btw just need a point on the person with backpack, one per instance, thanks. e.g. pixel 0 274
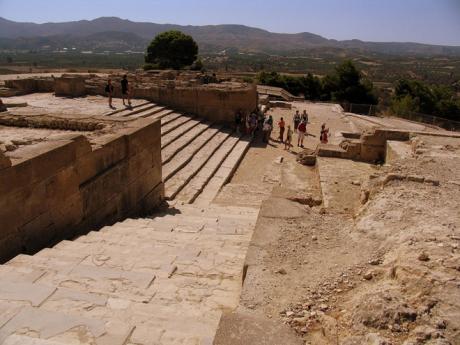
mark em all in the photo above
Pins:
pixel 302 130
pixel 109 92
pixel 125 90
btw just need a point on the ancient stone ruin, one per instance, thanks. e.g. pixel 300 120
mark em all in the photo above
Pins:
pixel 161 224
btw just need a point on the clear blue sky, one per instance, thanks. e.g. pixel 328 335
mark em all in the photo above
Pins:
pixel 427 21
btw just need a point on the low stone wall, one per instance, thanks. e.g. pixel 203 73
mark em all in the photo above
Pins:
pixel 370 147
pixel 30 85
pixel 66 188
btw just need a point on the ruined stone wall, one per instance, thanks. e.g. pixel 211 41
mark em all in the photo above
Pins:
pixel 214 102
pixel 66 187
pixel 31 85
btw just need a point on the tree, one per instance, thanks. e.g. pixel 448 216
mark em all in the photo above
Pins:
pixel 419 97
pixel 351 86
pixel 172 49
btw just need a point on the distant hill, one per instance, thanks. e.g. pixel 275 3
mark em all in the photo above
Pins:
pixel 115 34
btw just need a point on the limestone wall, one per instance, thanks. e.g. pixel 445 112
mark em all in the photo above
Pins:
pixel 66 187
pixel 30 85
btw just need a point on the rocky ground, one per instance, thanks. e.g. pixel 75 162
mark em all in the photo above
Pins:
pixel 383 270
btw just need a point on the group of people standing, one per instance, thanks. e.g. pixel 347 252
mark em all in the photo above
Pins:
pixel 250 124
pixel 300 122
pixel 125 91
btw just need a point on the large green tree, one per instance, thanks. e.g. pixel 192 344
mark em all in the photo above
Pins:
pixel 172 49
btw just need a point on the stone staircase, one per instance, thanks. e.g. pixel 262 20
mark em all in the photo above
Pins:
pixel 165 279
pixel 161 280
pixel 198 157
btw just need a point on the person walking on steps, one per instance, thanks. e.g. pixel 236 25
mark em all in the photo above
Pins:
pixel 281 125
pixel 297 119
pixel 109 92
pixel 125 90
pixel 302 130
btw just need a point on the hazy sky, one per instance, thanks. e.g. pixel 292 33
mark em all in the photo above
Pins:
pixel 427 21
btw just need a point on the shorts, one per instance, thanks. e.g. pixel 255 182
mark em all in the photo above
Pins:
pixel 301 135
pixel 124 91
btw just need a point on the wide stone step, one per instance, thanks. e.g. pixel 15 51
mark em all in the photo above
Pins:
pixel 169 118
pixel 134 110
pixel 196 185
pixel 168 138
pixel 147 113
pixel 223 174
pixel 184 156
pixel 161 114
pixel 175 184
pixel 169 152
pixel 124 109
pixel 179 122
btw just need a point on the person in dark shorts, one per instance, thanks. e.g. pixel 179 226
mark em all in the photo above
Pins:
pixel 109 92
pixel 297 120
pixel 125 91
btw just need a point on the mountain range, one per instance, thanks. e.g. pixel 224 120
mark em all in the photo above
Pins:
pixel 118 35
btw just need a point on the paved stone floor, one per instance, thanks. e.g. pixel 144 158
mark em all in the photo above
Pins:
pixel 164 280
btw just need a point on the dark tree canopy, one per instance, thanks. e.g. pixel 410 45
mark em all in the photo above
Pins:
pixel 172 49
pixel 419 97
pixel 345 84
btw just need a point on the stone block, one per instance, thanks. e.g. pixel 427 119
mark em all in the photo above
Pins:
pixel 102 158
pixel 70 86
pixel 329 150
pixel 143 134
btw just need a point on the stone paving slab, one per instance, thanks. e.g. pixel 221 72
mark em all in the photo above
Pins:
pixel 131 283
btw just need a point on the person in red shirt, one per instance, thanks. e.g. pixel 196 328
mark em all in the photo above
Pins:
pixel 281 125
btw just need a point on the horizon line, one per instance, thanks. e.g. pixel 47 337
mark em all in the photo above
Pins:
pixel 230 24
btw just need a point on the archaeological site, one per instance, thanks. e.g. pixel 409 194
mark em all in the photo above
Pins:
pixel 164 224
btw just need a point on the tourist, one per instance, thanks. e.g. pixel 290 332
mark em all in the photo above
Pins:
pixel 302 130
pixel 324 134
pixel 261 119
pixel 288 143
pixel 238 121
pixel 125 90
pixel 305 117
pixel 109 92
pixel 253 124
pixel 297 119
pixel 281 125
pixel 267 129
